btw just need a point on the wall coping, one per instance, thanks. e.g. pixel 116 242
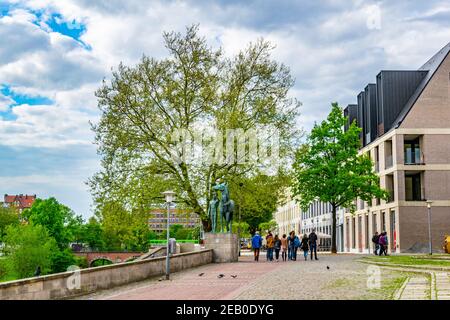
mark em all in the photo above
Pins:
pixel 64 274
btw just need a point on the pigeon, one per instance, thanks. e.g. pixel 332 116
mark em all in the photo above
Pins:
pixel 201 274
pixel 328 267
pixel 220 276
pixel 234 276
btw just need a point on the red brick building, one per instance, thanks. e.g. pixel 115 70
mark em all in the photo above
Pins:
pixel 20 202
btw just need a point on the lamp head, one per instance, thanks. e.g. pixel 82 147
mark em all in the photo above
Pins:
pixel 429 204
pixel 169 195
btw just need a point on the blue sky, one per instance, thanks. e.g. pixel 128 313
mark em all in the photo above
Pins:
pixel 54 55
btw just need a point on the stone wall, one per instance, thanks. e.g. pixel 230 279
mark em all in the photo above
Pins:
pixel 71 284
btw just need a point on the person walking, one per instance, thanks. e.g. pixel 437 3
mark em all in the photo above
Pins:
pixel 382 243
pixel 284 247
pixel 312 241
pixel 294 243
pixel 304 246
pixel 277 247
pixel 376 245
pixel 256 245
pixel 269 245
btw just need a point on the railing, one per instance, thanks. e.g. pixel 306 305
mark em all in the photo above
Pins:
pixel 164 242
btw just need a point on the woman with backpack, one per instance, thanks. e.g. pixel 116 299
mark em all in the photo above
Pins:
pixel 294 243
pixel 305 246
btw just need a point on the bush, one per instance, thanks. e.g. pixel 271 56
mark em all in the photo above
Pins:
pixel 61 260
pixel 28 247
pixel 81 262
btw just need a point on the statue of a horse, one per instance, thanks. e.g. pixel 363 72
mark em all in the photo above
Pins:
pixel 226 206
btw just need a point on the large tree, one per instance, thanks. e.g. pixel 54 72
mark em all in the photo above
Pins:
pixel 8 216
pixel 60 221
pixel 195 86
pixel 329 168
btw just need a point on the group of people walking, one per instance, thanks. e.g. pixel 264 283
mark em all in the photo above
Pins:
pixel 288 245
pixel 380 242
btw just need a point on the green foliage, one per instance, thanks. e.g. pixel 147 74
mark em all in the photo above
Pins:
pixel 141 105
pixel 59 220
pixel 8 216
pixel 92 234
pixel 329 168
pixel 122 229
pixel 258 197
pixel 243 228
pixel 61 260
pixel 29 246
pixel 81 262
pixel 268 226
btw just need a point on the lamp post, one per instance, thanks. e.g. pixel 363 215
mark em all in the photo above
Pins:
pixel 169 196
pixel 429 225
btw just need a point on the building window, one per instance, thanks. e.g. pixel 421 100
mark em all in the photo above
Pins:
pixel 413 187
pixel 412 151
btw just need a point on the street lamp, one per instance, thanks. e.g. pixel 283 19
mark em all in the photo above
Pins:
pixel 169 196
pixel 429 225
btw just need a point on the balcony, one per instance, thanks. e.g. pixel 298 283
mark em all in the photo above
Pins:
pixel 391 196
pixel 389 161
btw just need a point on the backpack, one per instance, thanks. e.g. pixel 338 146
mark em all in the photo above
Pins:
pixel 296 242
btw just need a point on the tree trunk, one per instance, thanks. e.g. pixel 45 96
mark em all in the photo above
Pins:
pixel 333 231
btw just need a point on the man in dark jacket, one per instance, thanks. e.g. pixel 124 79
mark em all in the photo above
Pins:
pixel 376 245
pixel 312 239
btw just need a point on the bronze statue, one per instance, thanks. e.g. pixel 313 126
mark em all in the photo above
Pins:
pixel 212 211
pixel 226 206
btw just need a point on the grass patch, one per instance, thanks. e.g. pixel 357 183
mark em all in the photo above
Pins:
pixel 411 260
pixel 389 285
pixel 338 283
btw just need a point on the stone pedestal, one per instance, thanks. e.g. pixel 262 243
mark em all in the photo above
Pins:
pixel 224 245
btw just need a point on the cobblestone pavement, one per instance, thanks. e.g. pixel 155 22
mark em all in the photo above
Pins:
pixel 417 288
pixel 343 279
pixel 443 285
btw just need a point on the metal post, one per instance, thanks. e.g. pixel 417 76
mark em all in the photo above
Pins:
pixel 168 251
pixel 429 230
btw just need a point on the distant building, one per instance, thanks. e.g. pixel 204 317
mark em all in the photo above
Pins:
pixel 19 202
pixel 158 219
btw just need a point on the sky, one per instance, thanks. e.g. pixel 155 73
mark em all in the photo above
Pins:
pixel 54 54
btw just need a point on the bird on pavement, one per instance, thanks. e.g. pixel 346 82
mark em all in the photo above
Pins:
pixel 234 276
pixel 328 267
pixel 201 274
pixel 220 276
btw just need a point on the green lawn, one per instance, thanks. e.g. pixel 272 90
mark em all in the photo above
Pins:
pixel 435 260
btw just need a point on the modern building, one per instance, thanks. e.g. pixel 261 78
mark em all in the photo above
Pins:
pixel 158 220
pixel 19 202
pixel 405 121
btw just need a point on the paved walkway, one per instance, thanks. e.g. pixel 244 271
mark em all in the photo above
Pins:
pixel 417 288
pixel 443 285
pixel 332 277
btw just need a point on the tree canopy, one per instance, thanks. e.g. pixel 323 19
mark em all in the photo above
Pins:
pixel 195 87
pixel 329 167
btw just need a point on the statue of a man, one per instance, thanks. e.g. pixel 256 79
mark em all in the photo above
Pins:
pixel 212 211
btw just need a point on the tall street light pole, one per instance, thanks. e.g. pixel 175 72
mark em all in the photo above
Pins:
pixel 429 226
pixel 169 196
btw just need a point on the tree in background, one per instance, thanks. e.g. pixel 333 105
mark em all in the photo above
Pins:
pixel 258 197
pixel 29 246
pixel 328 168
pixel 195 85
pixel 60 221
pixel 243 228
pixel 268 226
pixel 92 234
pixel 8 217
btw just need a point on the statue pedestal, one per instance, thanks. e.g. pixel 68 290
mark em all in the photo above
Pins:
pixel 224 245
